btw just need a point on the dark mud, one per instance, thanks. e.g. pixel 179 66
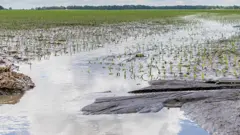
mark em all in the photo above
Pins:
pixel 216 111
pixel 181 85
pixel 155 102
pixel 169 96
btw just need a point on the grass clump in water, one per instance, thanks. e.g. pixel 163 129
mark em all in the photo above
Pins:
pixel 140 55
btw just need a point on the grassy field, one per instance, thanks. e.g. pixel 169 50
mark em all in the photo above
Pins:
pixel 28 19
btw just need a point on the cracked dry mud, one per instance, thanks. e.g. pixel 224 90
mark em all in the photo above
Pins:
pixel 216 110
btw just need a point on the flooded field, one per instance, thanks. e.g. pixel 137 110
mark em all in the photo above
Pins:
pixel 72 66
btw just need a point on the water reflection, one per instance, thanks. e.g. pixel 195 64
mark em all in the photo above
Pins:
pixel 166 122
pixel 10 99
pixel 14 125
pixel 191 128
pixel 62 89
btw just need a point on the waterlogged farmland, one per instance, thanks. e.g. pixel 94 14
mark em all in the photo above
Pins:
pixel 198 51
pixel 190 47
pixel 74 57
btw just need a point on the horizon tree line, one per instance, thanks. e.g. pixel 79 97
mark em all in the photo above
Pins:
pixel 126 7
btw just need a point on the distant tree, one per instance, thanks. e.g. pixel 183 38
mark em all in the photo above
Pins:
pixel 125 7
pixel 10 8
pixel 1 7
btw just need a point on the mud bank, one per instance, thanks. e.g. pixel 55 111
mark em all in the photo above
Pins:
pixel 172 93
pixel 11 82
pixel 215 110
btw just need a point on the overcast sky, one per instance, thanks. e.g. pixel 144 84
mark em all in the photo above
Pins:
pixel 36 3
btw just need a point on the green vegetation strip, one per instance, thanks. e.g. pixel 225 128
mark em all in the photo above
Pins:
pixel 30 19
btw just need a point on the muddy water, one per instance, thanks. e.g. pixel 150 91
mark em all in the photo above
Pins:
pixel 65 84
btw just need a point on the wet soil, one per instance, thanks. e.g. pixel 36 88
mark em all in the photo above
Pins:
pixel 11 82
pixel 215 106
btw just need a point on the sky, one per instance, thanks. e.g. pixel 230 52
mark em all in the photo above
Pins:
pixel 27 4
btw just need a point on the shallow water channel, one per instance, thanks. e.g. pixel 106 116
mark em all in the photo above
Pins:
pixel 53 107
pixel 63 87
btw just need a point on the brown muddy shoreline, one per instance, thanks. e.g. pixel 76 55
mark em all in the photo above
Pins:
pixel 12 82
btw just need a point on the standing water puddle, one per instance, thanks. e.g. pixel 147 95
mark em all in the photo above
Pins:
pixel 63 87
pixel 53 107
